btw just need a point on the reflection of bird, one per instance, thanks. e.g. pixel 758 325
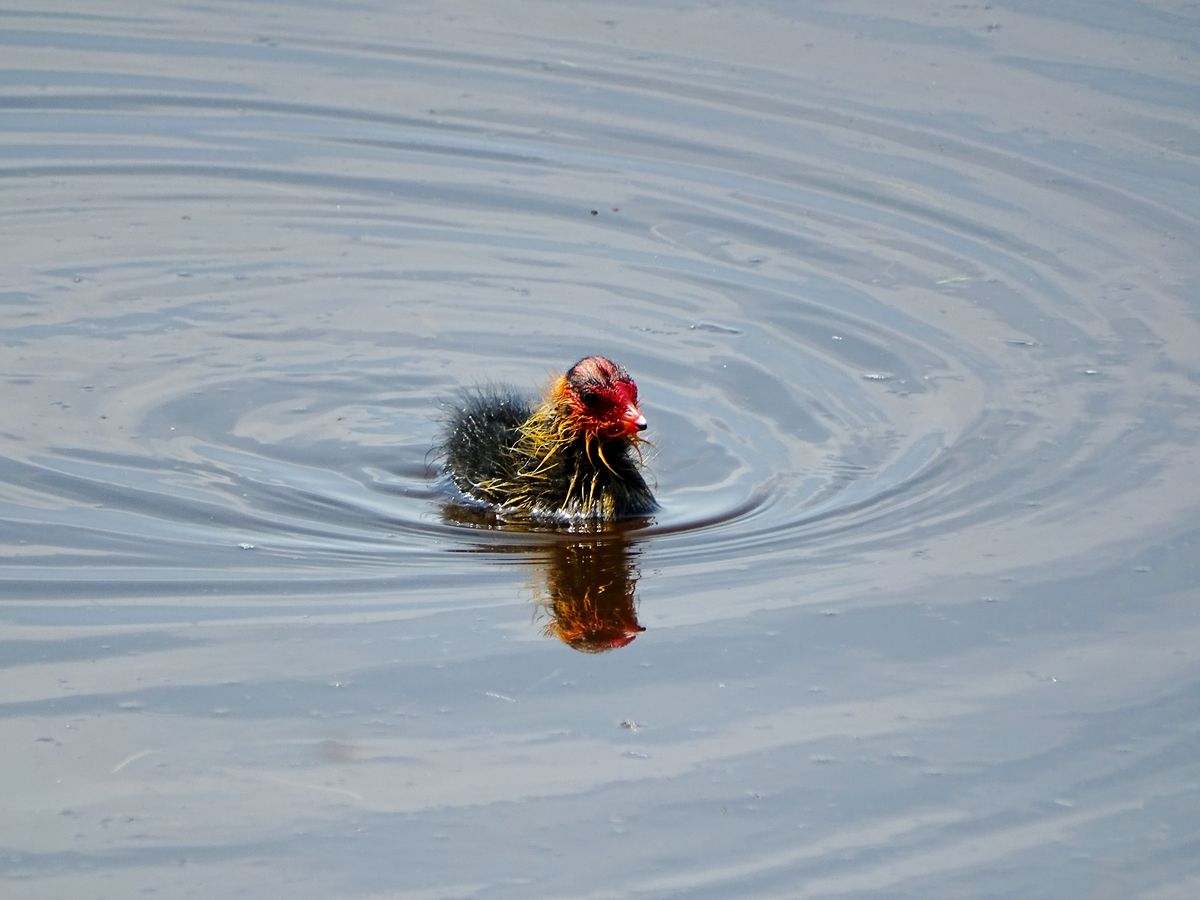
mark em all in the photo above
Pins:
pixel 591 595
pixel 575 455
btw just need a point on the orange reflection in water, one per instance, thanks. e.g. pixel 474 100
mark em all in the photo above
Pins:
pixel 586 578
pixel 589 593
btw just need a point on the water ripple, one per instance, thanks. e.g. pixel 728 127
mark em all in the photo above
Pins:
pixel 910 302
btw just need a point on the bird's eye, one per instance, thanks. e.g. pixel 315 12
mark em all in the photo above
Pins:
pixel 589 398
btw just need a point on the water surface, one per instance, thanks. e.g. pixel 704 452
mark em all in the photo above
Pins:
pixel 909 294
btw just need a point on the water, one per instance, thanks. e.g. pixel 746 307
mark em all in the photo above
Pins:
pixel 909 293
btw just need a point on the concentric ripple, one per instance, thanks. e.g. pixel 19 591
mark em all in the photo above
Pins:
pixel 846 344
pixel 909 296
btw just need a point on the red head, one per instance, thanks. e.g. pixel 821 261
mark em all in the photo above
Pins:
pixel 602 398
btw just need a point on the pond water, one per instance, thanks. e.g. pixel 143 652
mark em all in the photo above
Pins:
pixel 910 294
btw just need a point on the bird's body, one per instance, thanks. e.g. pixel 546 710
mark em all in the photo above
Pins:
pixel 575 455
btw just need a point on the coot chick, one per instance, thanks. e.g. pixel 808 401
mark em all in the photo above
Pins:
pixel 576 455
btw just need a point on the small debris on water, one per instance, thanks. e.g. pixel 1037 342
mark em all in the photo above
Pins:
pixel 630 725
pixel 713 327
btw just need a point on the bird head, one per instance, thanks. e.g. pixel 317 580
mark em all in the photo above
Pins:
pixel 600 399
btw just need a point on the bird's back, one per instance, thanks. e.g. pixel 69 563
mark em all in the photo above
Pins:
pixel 482 429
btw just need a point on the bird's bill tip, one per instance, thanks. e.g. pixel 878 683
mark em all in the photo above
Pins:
pixel 633 420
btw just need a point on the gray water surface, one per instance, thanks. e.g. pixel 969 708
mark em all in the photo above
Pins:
pixel 909 291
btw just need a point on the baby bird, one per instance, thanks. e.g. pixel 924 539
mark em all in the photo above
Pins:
pixel 576 455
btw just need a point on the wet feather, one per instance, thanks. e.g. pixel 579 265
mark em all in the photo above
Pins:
pixel 538 461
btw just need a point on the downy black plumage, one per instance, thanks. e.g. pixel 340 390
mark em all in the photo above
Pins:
pixel 575 455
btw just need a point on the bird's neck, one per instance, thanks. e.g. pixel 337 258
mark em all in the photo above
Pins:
pixel 550 430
